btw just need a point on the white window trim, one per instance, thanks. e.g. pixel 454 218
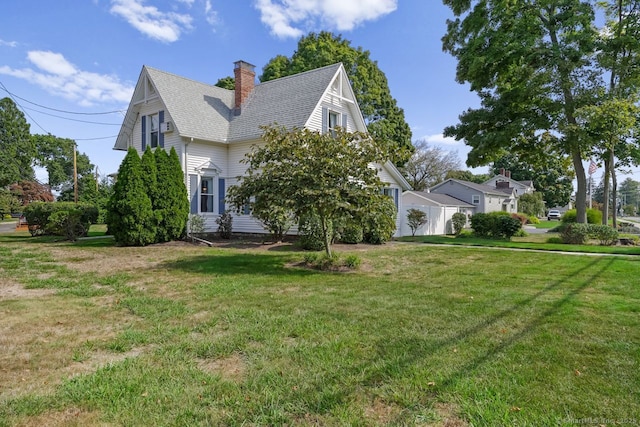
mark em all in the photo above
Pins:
pixel 212 194
pixel 149 130
pixel 475 199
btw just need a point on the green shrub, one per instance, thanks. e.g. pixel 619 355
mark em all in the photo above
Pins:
pixel 594 216
pixel 482 224
pixel 352 261
pixel 351 233
pixel 506 227
pixel 607 236
pixel 38 214
pixel 380 222
pixel 310 232
pixel 575 234
pixel 531 219
pixel 275 219
pixel 311 258
pixel 67 223
pixel 225 225
pixel 459 220
pixel 416 219
pixel 556 240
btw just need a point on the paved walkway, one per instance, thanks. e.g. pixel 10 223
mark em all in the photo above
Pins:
pixel 7 227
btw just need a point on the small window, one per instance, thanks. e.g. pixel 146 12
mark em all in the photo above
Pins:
pixel 333 122
pixel 206 195
pixel 475 199
pixel 154 127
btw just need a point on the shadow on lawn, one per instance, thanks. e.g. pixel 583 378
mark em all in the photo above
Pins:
pixel 268 264
pixel 423 348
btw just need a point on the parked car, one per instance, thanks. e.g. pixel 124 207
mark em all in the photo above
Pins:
pixel 554 214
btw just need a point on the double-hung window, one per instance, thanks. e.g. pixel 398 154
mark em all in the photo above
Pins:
pixel 154 128
pixel 206 194
pixel 475 199
pixel 333 122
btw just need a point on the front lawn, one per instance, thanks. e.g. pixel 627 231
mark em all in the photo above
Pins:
pixel 421 335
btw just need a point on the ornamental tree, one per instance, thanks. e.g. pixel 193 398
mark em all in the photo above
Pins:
pixel 308 173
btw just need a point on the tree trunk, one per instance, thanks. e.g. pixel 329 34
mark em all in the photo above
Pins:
pixel 325 235
pixel 614 191
pixel 581 193
pixel 607 196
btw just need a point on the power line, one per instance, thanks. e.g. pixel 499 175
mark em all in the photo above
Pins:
pixel 68 118
pixel 55 109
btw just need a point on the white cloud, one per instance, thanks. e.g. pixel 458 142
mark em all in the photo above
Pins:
pixel 163 26
pixel 284 17
pixel 60 77
pixel 440 139
pixel 210 14
pixel 6 43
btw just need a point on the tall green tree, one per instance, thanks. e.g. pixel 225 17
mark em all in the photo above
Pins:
pixel 17 150
pixel 552 175
pixel 385 120
pixel 130 215
pixel 466 175
pixel 630 192
pixel 615 118
pixel 304 172
pixel 171 201
pixel 532 65
pixel 56 156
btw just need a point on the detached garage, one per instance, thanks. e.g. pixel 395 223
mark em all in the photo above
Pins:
pixel 439 209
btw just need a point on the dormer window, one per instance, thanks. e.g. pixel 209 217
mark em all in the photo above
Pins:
pixel 331 120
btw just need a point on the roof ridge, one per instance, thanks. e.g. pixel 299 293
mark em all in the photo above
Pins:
pixel 315 70
pixel 184 78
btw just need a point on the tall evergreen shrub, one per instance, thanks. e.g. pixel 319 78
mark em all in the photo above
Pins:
pixel 130 218
pixel 150 180
pixel 172 204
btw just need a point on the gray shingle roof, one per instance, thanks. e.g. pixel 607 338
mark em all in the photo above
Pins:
pixel 206 112
pixel 486 189
pixel 443 199
pixel 198 110
pixel 288 101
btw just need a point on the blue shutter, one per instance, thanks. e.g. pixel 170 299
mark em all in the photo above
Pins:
pixel 161 136
pixel 143 120
pixel 221 196
pixel 246 209
pixel 396 196
pixel 325 120
pixel 193 190
pixel 344 121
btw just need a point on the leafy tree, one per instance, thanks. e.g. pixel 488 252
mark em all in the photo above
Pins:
pixel 16 147
pixel 465 175
pixel 532 204
pixel 532 65
pixel 630 192
pixel 615 119
pixel 56 156
pixel 9 203
pixel 416 219
pixel 87 190
pixel 31 191
pixel 429 166
pixel 130 216
pixel 226 83
pixel 551 175
pixel 172 202
pixel 308 173
pixel 385 120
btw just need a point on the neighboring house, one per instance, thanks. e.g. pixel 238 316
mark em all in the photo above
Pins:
pixel 213 128
pixel 503 180
pixel 439 209
pixel 483 197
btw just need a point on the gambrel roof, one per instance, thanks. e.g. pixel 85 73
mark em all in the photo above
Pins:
pixel 206 112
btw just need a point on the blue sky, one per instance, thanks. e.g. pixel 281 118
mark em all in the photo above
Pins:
pixel 86 56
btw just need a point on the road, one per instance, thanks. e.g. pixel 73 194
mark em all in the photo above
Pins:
pixel 7 227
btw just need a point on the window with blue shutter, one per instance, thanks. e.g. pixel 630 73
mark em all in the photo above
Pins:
pixel 143 121
pixel 221 196
pixel 193 190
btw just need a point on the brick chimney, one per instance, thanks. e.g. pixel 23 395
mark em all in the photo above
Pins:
pixel 508 174
pixel 502 171
pixel 245 77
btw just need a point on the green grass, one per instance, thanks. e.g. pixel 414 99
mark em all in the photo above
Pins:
pixel 532 242
pixel 418 335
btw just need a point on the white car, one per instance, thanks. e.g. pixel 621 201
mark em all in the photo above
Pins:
pixel 554 214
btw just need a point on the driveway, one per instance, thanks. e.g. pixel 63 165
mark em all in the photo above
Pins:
pixel 7 227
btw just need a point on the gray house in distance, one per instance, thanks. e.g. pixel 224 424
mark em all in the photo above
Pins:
pixel 484 197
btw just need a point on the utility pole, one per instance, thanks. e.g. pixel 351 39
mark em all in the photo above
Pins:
pixel 75 175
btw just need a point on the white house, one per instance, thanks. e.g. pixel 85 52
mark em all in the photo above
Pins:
pixel 213 128
pixel 503 180
pixel 439 209
pixel 484 198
